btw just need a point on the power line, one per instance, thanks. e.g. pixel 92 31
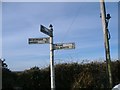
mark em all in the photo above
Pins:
pixel 70 26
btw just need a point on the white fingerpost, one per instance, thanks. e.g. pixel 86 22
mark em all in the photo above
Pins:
pixel 53 47
pixel 52 60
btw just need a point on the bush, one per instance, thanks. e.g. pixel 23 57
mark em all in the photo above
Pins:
pixel 67 76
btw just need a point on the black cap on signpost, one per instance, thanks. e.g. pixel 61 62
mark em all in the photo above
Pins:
pixel 51 27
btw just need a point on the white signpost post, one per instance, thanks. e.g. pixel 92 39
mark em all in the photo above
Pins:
pixel 53 47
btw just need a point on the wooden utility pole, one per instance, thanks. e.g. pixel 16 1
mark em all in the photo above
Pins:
pixel 106 40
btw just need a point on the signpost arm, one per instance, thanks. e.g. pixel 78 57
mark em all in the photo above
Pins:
pixel 52 61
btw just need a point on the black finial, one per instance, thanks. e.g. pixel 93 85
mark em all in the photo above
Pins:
pixel 50 26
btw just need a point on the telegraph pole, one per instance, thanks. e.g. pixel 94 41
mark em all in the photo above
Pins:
pixel 106 39
pixel 52 60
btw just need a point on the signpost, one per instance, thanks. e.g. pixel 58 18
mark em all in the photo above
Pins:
pixel 39 40
pixel 46 31
pixel 60 46
pixel 53 47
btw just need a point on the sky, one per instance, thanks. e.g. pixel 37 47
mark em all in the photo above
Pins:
pixel 58 0
pixel 77 22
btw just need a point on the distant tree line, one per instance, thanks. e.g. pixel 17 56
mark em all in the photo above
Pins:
pixel 69 76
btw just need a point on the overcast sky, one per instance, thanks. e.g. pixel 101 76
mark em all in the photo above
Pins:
pixel 72 22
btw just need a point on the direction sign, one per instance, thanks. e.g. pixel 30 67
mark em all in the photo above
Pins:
pixel 39 40
pixel 46 30
pixel 64 46
pixel 53 47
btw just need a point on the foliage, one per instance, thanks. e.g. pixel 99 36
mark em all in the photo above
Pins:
pixel 67 76
pixel 4 65
pixel 34 79
pixel 92 76
pixel 8 79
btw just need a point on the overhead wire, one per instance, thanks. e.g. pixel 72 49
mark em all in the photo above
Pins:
pixel 66 34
